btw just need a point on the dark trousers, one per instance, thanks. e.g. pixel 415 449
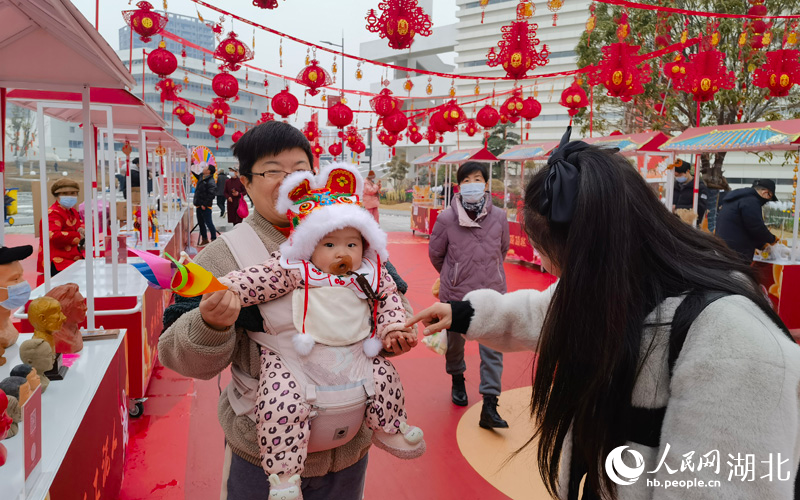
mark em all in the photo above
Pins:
pixel 491 364
pixel 206 222
pixel 246 481
pixel 221 201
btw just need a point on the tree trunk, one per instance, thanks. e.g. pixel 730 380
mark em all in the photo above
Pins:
pixel 712 173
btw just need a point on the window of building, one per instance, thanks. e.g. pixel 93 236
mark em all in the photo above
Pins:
pixel 76 144
pixel 72 130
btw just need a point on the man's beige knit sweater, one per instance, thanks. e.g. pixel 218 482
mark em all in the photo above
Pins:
pixel 193 349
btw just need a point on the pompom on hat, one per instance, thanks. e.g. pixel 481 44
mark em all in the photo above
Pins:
pixel 319 204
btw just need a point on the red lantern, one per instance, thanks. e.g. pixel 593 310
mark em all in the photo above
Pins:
pixel 430 135
pixel 574 98
pixel 358 148
pixel 400 21
pixel 531 108
pixel 161 61
pixel 396 122
pixel 144 21
pixel 758 25
pixel 335 149
pixel 314 76
pixel 340 115
pixel 188 120
pixel 413 128
pixel 706 74
pixel 513 105
pixel 487 117
pixel 415 137
pixel 676 70
pixel 217 130
pixel 169 91
pixel 284 103
pixel 620 72
pixel 220 109
pixel 439 124
pixel 453 114
pixel 266 117
pixel 388 139
pixel 779 73
pixel 233 51
pixel 237 135
pixel 225 85
pixel 266 4
pixel 517 53
pixel 179 110
pixel 317 150
pixel 384 104
pixel 311 131
pixel 471 127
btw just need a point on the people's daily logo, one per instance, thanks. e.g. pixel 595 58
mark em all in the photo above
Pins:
pixel 621 473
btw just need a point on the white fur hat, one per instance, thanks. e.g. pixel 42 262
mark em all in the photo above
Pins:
pixel 319 204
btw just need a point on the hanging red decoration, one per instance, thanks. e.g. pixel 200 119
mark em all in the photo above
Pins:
pixel 620 72
pixel 340 115
pixel 317 150
pixel 487 117
pixel 233 51
pixel 531 108
pixel 266 4
pixel 574 98
pixel 396 122
pixel 416 137
pixel 266 117
pixel 471 127
pixel 384 104
pixel 179 110
pixel 400 22
pixel 554 6
pixel 358 147
pixel 413 128
pixel 311 131
pixel 225 85
pixel 236 136
pixel 219 109
pixel 161 61
pixel 676 70
pixel 335 149
pixel 188 120
pixel 314 76
pixel 513 105
pixel 217 130
pixel 453 114
pixel 144 21
pixel 169 90
pixel 285 103
pixel 517 49
pixel 779 73
pixel 439 124
pixel 351 135
pixel 387 138
pixel 430 135
pixel 706 74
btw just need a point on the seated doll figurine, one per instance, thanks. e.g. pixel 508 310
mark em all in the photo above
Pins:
pixel 342 295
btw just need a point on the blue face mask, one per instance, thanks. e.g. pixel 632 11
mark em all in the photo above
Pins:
pixel 68 201
pixel 18 295
pixel 680 178
pixel 472 192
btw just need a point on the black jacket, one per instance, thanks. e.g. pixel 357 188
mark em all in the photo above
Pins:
pixel 683 197
pixel 205 193
pixel 741 224
pixel 221 178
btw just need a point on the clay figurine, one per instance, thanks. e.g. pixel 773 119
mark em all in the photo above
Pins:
pixel 37 353
pixel 45 316
pixel 14 290
pixel 68 339
pixel 2 359
pixel 5 425
pixel 11 386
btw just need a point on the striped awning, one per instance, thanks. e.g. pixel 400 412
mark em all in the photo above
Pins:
pixel 631 143
pixel 525 152
pixel 464 155
pixel 765 136
pixel 427 158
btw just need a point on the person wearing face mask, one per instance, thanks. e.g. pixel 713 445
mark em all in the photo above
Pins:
pixel 683 194
pixel 14 290
pixel 467 247
pixel 740 222
pixel 66 228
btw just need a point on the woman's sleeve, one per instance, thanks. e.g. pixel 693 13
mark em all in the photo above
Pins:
pixel 261 283
pixel 437 245
pixel 59 234
pixel 733 398
pixel 505 322
pixel 370 189
pixel 228 186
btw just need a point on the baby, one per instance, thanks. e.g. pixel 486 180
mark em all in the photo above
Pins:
pixel 342 296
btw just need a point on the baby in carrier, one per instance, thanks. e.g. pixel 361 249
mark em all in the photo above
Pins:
pixel 333 264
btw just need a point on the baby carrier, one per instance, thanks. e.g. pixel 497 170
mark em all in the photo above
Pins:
pixel 337 381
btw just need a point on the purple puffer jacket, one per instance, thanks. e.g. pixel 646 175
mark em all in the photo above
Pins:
pixel 469 254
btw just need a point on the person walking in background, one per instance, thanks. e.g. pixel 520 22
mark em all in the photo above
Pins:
pixel 234 191
pixel 204 195
pixel 683 194
pixel 740 222
pixel 372 193
pixel 222 178
pixel 467 247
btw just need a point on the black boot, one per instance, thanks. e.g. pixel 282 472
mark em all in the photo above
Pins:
pixel 459 392
pixel 489 416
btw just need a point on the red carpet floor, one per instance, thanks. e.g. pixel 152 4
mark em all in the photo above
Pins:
pixel 176 448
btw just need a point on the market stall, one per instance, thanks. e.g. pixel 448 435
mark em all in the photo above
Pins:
pixel 424 210
pixel 460 156
pixel 780 277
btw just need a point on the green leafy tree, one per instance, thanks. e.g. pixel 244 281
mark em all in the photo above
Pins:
pixel 398 170
pixel 501 138
pixel 680 111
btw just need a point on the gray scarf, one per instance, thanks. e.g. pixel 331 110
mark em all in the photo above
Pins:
pixel 474 207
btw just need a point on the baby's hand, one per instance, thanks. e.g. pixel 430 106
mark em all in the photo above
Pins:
pixel 395 340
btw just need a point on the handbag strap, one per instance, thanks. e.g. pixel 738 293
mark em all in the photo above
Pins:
pixel 245 245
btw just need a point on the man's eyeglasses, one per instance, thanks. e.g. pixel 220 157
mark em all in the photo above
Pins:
pixel 276 175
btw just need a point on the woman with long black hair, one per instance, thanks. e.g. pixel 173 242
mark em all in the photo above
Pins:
pixel 636 349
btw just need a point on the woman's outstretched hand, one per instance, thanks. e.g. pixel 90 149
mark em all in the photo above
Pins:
pixel 435 318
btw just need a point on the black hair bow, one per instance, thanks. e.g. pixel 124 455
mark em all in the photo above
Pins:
pixel 563 178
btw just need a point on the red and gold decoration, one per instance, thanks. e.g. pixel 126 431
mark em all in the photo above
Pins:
pixel 317 150
pixel 554 6
pixel 237 135
pixel 188 120
pixel 161 61
pixel 217 130
pixel 225 85
pixel 220 109
pixel 453 114
pixel 574 98
pixel 471 127
pixel 619 69
pixel 706 74
pixel 144 21
pixel 233 51
pixel 266 117
pixel 314 76
pixel 512 106
pixel 340 115
pixel 285 103
pixel 387 138
pixel 487 117
pixel 591 23
pixel 396 122
pixel 531 108
pixel 311 131
pixel 266 4
pixel 438 124
pixel 676 70
pixel 779 73
pixel 384 104
pixel 179 110
pixel 169 90
pixel 335 149
pixel 358 147
pixel 483 3
pixel 400 22
pixel 430 135
pixel 517 52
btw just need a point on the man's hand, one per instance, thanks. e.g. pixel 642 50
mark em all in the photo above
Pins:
pixel 219 310
pixel 435 318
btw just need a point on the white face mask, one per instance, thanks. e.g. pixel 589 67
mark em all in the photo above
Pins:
pixel 68 201
pixel 472 192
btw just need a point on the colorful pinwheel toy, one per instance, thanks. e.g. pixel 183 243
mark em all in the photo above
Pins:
pixel 185 278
